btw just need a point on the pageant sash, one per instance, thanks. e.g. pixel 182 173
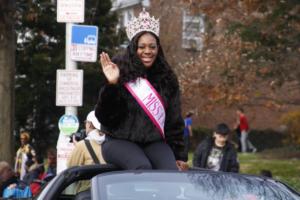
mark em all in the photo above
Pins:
pixel 149 99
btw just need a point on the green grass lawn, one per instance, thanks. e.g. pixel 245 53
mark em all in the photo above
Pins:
pixel 285 170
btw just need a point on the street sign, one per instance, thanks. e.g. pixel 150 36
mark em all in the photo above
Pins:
pixel 68 124
pixel 69 87
pixel 64 151
pixel 84 42
pixel 70 11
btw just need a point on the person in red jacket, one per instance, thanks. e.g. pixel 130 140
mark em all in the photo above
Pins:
pixel 242 124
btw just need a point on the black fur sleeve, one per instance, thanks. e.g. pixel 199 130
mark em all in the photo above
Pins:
pixel 174 125
pixel 111 107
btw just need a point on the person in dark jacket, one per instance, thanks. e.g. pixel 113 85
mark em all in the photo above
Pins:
pixel 216 152
pixel 147 132
pixel 35 169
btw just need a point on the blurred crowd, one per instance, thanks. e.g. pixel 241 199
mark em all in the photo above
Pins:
pixel 30 172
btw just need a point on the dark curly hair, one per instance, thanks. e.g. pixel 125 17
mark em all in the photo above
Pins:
pixel 131 66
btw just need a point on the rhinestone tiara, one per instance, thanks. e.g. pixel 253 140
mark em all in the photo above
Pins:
pixel 143 23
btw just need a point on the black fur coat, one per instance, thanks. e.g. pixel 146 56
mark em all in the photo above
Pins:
pixel 122 117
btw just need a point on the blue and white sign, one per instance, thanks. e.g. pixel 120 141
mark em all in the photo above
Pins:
pixel 68 124
pixel 84 43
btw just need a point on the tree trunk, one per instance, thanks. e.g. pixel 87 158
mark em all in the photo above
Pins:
pixel 7 73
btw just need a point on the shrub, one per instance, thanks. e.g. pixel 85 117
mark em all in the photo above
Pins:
pixel 267 139
pixel 199 134
pixel 292 121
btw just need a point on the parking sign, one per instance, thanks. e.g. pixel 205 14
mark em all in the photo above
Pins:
pixel 70 10
pixel 69 87
pixel 84 43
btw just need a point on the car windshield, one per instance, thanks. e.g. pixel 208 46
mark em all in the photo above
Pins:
pixel 187 186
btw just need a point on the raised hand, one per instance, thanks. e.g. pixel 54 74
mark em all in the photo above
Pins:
pixel 110 69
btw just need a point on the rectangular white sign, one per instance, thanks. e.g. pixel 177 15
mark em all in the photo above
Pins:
pixel 70 11
pixel 85 53
pixel 69 87
pixel 64 151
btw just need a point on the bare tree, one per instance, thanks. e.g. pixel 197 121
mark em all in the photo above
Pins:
pixel 7 72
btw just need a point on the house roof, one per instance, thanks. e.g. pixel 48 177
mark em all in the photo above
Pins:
pixel 121 4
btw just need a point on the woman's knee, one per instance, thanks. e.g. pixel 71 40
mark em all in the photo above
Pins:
pixel 126 155
pixel 135 163
pixel 144 165
pixel 161 156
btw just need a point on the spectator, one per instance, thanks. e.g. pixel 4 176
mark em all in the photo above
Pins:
pixel 7 176
pixel 81 155
pixel 37 176
pixel 237 132
pixel 242 124
pixel 139 105
pixel 216 152
pixel 11 187
pixel 88 151
pixel 188 132
pixel 266 173
pixel 24 155
pixel 35 170
pixel 50 168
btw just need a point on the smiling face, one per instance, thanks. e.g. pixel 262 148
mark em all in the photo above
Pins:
pixel 147 49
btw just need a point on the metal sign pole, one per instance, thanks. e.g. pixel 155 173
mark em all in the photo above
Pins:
pixel 70 65
pixel 69 12
pixel 64 147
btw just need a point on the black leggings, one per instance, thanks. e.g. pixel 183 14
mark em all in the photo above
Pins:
pixel 129 155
